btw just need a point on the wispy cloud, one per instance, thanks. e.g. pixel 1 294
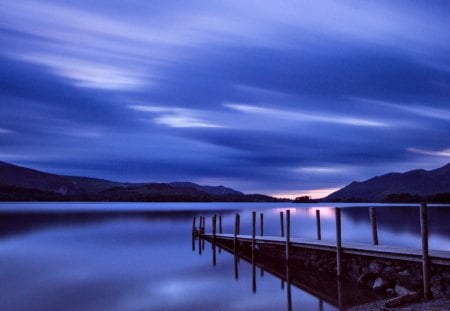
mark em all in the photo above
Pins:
pixel 439 153
pixel 176 117
pixel 307 117
pixel 6 131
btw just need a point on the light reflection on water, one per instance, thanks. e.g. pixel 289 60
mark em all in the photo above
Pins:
pixel 143 260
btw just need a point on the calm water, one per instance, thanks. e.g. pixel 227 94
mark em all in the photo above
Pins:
pixel 139 256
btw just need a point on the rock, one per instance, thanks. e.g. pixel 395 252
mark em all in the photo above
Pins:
pixel 436 286
pixel 398 301
pixel 401 291
pixel 390 291
pixel 366 277
pixel 411 279
pixel 375 267
pixel 381 284
pixel 389 273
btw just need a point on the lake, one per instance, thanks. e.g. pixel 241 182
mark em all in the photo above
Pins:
pixel 138 256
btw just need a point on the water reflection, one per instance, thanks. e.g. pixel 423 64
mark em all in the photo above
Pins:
pixel 139 257
pixel 327 288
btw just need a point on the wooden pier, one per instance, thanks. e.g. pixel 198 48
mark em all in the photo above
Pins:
pixel 422 256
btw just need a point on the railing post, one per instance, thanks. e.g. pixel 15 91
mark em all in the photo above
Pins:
pixel 319 230
pixel 282 224
pixel 214 222
pixel 288 233
pixel 253 231
pixel 373 223
pixel 261 215
pixel 425 260
pixel 338 242
pixel 236 228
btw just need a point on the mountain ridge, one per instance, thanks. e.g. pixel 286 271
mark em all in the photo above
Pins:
pixel 22 183
pixel 417 182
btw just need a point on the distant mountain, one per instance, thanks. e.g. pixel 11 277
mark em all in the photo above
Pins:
pixel 413 185
pixel 23 184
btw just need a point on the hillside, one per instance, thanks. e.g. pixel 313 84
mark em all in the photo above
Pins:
pixel 23 184
pixel 412 185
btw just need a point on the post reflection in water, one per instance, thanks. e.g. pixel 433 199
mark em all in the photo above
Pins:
pixel 336 292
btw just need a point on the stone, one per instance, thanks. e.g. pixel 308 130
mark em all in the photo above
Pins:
pixel 375 267
pixel 389 273
pixel 390 291
pixel 411 279
pixel 398 301
pixel 436 286
pixel 381 284
pixel 402 291
pixel 366 277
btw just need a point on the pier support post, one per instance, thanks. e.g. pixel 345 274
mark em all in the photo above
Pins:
pixel 288 234
pixel 214 221
pixel 338 242
pixel 425 259
pixel 236 230
pixel 220 224
pixel 282 224
pixel 373 223
pixel 253 232
pixel 193 234
pixel 319 230
pixel 261 218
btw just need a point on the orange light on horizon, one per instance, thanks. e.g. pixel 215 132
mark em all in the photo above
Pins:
pixel 313 193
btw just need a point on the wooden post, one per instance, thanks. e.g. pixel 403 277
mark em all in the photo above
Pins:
pixel 425 260
pixel 288 233
pixel 193 234
pixel 213 223
pixel 239 224
pixel 236 269
pixel 236 226
pixel 373 223
pixel 261 216
pixel 282 224
pixel 288 281
pixel 338 242
pixel 220 224
pixel 203 231
pixel 319 230
pixel 253 232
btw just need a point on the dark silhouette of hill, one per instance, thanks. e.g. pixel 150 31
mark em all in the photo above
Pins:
pixel 23 184
pixel 411 186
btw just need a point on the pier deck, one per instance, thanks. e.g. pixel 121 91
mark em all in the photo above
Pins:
pixel 381 251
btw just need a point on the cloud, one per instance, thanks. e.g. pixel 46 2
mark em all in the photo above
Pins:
pixel 441 153
pixel 176 117
pixel 300 116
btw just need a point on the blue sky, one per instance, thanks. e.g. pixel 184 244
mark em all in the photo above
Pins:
pixel 284 98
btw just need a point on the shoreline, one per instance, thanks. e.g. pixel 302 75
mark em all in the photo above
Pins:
pixel 440 304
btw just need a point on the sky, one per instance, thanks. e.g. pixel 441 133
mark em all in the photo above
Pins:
pixel 285 98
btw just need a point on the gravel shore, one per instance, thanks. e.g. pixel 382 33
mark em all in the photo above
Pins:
pixel 431 305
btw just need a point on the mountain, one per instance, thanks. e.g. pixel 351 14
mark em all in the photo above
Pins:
pixel 23 184
pixel 413 185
